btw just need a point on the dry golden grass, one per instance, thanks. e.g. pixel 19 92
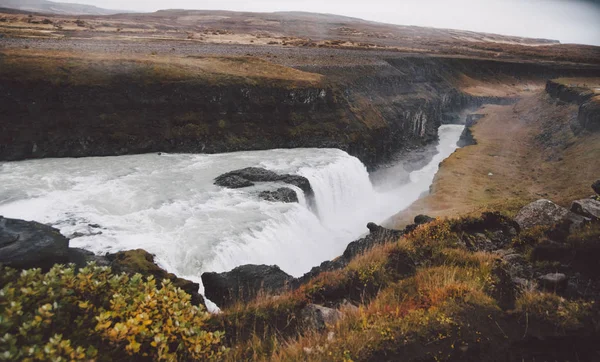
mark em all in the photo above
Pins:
pixel 100 68
pixel 524 152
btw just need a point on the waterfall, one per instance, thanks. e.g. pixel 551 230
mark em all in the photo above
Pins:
pixel 169 206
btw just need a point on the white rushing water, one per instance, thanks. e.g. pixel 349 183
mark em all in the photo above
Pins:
pixel 169 206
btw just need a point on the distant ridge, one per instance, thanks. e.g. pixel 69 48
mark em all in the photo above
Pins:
pixel 50 7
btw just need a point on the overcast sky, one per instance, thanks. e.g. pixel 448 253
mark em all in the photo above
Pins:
pixel 570 21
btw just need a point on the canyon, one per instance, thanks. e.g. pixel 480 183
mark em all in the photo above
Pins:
pixel 252 157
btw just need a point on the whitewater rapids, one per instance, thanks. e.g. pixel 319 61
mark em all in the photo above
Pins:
pixel 167 204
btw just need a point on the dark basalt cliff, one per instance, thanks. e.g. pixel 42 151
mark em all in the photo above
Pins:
pixel 588 100
pixel 371 112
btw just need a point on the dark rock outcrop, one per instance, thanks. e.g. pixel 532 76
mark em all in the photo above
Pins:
pixel 247 176
pixel 377 235
pixel 418 220
pixel 587 208
pixel 81 258
pixel 142 262
pixel 596 187
pixel 546 213
pixel 466 137
pixel 282 194
pixel 588 117
pixel 28 244
pixel 423 219
pixel 244 283
pixel 233 181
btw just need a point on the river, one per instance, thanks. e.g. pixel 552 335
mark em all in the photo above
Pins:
pixel 167 204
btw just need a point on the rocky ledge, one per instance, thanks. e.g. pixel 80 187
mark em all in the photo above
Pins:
pixel 28 244
pixel 588 100
pixel 246 177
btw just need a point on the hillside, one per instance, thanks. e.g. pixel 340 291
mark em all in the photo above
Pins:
pixel 52 7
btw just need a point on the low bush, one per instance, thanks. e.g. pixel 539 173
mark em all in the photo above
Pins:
pixel 94 314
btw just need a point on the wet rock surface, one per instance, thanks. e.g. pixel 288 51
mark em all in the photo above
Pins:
pixel 28 244
pixel 247 176
pixel 282 194
pixel 81 258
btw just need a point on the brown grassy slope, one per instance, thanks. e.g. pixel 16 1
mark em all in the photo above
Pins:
pixel 68 68
pixel 454 306
pixel 530 152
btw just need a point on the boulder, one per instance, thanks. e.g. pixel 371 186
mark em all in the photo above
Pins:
pixel 298 181
pixel 81 257
pixel 423 219
pixel 377 235
pixel 418 220
pixel 282 194
pixel 28 244
pixel 317 317
pixel 554 282
pixel 247 176
pixel 244 283
pixel 233 181
pixel 596 187
pixel 587 207
pixel 546 213
pixel 142 262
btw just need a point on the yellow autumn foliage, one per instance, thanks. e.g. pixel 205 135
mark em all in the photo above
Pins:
pixel 93 314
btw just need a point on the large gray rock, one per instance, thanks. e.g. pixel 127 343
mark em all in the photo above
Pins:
pixel 554 282
pixel 28 244
pixel 317 317
pixel 244 283
pixel 587 207
pixel 546 213
pixel 282 194
pixel 247 176
pixel 233 181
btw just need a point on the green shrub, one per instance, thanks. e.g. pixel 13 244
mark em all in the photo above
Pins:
pixel 97 315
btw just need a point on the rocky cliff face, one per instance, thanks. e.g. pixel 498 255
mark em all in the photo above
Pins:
pixel 370 111
pixel 584 95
